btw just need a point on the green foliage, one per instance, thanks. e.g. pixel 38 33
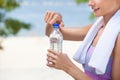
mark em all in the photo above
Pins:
pixel 81 1
pixel 2 3
pixel 9 5
pixel 10 26
pixel 13 26
pixel 92 17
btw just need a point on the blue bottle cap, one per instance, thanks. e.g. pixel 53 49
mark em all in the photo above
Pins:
pixel 55 25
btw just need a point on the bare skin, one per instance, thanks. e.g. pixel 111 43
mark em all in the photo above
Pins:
pixel 62 61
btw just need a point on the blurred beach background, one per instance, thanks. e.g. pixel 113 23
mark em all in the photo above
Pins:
pixel 33 12
pixel 23 56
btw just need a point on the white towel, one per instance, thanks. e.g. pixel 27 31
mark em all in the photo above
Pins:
pixel 105 45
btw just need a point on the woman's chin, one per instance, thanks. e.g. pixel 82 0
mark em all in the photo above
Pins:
pixel 97 15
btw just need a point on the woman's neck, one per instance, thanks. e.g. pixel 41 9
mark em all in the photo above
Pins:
pixel 107 17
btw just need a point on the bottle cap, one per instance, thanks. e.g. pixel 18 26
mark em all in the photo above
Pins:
pixel 55 25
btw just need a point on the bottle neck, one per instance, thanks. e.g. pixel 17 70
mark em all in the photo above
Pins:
pixel 56 29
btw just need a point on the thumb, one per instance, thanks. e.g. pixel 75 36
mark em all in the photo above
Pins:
pixel 62 24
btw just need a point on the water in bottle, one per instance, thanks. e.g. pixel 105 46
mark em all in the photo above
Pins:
pixel 56 39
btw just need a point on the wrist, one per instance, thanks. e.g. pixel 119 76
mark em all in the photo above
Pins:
pixel 70 69
pixel 77 73
pixel 48 29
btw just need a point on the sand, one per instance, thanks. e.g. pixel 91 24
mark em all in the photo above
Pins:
pixel 24 58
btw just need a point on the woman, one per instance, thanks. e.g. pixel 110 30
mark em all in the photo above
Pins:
pixel 105 8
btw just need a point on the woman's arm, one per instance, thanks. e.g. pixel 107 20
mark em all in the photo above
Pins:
pixel 71 33
pixel 77 73
pixel 116 61
pixel 62 61
pixel 50 18
pixel 76 34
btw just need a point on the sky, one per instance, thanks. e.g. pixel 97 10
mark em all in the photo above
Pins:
pixel 33 12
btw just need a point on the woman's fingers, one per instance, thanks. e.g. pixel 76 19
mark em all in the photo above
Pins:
pixel 62 24
pixel 46 16
pixel 50 64
pixel 52 55
pixel 51 61
pixel 52 17
pixel 53 52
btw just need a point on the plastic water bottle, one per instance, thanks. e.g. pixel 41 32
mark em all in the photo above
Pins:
pixel 56 38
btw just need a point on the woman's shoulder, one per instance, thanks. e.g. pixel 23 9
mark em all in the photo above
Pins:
pixel 116 49
pixel 117 45
pixel 118 39
pixel 116 60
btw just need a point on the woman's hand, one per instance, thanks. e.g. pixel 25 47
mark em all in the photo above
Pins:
pixel 50 18
pixel 59 60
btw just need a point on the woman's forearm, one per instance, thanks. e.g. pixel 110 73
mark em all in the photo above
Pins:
pixel 71 33
pixel 77 74
pixel 75 34
pixel 48 29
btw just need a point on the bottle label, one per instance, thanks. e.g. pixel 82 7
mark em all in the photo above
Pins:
pixel 53 40
pixel 56 44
